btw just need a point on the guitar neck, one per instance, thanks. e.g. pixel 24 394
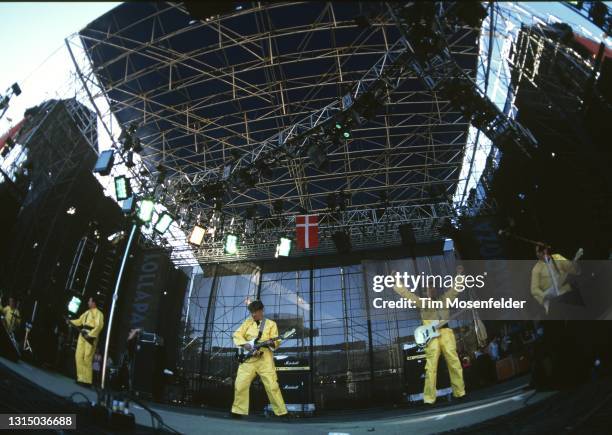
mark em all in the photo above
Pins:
pixel 267 342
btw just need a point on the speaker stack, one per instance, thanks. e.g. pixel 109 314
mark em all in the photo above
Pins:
pixel 294 381
pixel 414 374
pixel 147 376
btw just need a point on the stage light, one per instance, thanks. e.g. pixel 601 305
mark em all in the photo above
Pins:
pixel 123 188
pixel 71 210
pixel 74 304
pixel 407 235
pixel 278 206
pixel 197 235
pixel 283 247
pixel 343 129
pixel 231 244
pixel 128 205
pixel 342 241
pixel 163 223
pixel 145 210
pixel 16 89
pixel 105 162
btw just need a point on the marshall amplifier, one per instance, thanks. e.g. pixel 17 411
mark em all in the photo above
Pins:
pixel 294 381
pixel 414 373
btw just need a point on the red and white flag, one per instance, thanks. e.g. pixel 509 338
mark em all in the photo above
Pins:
pixel 307 227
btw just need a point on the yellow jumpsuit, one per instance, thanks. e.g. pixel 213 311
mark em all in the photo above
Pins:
pixel 85 351
pixel 262 365
pixel 445 344
pixel 12 318
pixel 542 281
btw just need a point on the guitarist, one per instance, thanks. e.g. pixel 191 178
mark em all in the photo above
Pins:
pixel 549 279
pixel 262 329
pixel 91 323
pixel 444 344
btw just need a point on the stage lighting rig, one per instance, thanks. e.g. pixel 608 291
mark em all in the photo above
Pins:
pixel 123 188
pixel 14 90
pixel 231 244
pixel 318 157
pixel 283 247
pixel 105 161
pixel 197 235
pixel 163 223
pixel 146 207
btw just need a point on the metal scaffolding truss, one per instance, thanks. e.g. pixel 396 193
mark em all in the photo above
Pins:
pixel 368 228
pixel 257 79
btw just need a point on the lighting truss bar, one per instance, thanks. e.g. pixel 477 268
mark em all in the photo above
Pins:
pixel 370 228
pixel 441 69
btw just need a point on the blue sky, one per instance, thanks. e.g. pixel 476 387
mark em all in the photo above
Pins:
pixel 33 51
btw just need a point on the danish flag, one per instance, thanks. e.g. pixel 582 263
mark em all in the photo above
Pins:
pixel 307 228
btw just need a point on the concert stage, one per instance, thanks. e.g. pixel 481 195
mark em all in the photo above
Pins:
pixel 481 406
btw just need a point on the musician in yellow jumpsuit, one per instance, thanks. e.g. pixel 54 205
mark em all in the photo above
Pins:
pixel 444 344
pixel 11 315
pixel 85 350
pixel 262 364
pixel 543 288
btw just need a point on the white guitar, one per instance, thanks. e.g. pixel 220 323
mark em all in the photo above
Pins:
pixel 553 291
pixel 425 333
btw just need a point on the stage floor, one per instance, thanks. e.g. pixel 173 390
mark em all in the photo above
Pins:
pixel 483 405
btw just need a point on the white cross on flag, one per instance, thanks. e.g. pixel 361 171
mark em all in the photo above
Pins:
pixel 307 228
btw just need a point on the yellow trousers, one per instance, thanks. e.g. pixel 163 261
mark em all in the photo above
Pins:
pixel 84 360
pixel 264 367
pixel 446 344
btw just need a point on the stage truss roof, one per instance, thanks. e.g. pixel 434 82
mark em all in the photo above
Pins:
pixel 202 91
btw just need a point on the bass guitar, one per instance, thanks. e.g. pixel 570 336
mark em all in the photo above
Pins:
pixel 242 354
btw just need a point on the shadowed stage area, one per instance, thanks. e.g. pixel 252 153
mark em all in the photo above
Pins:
pixel 501 408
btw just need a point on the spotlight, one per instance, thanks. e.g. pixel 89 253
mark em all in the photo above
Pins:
pixel 278 206
pixel 128 206
pixel 342 241
pixel 163 223
pixel 105 162
pixel 145 210
pixel 283 247
pixel 74 304
pixel 16 89
pixel 331 201
pixel 231 244
pixel 123 188
pixel 197 235
pixel 407 234
pixel 129 159
pixel 342 129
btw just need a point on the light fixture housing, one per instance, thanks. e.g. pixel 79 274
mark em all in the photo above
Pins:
pixel 123 188
pixel 163 222
pixel 283 248
pixel 146 207
pixel 104 164
pixel 231 244
pixel 197 235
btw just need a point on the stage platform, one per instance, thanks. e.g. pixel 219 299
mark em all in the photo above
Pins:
pixel 482 406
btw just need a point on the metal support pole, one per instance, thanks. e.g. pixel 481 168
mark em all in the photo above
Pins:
pixel 114 303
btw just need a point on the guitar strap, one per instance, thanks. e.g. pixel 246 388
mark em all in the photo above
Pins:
pixel 262 325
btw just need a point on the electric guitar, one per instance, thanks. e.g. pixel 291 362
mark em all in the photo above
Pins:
pixel 553 291
pixel 425 333
pixel 242 354
pixel 83 330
